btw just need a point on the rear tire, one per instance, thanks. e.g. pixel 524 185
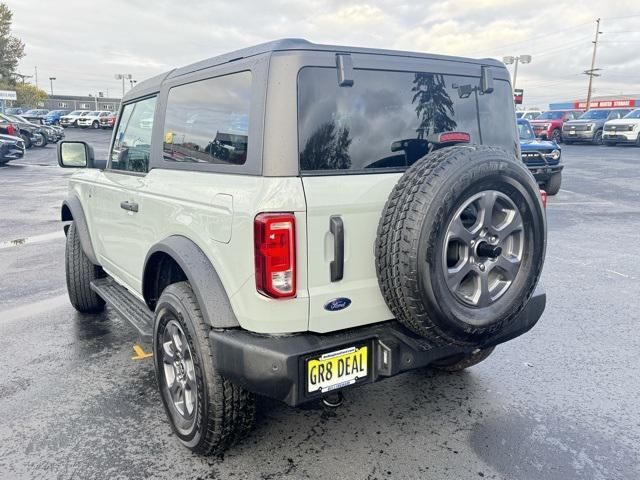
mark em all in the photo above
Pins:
pixel 415 246
pixel 458 363
pixel 95 124
pixel 213 413
pixel 80 272
pixel 552 187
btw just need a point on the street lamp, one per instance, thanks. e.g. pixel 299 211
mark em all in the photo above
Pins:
pixel 123 77
pixel 519 59
pixel 51 79
pixel 132 82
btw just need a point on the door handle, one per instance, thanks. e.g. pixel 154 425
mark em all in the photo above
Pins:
pixel 336 227
pixel 130 206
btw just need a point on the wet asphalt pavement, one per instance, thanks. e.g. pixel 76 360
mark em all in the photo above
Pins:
pixel 560 402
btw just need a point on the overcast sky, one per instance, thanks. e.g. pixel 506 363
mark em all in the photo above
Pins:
pixel 83 43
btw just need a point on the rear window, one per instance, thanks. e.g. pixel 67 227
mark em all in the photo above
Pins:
pixel 383 120
pixel 208 121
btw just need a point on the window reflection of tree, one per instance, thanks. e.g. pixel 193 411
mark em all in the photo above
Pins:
pixel 327 149
pixel 434 106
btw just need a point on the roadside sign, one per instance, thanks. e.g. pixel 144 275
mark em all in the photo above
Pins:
pixel 518 95
pixel 8 95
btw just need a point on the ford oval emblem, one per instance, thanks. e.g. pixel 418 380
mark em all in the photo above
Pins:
pixel 337 304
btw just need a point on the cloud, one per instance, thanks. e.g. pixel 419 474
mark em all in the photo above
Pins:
pixel 83 44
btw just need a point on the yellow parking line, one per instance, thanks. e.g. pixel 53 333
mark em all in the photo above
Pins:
pixel 140 353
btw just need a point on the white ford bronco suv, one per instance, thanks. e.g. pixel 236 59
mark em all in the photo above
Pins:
pixel 293 219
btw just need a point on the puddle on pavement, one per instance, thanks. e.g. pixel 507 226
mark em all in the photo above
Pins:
pixel 45 237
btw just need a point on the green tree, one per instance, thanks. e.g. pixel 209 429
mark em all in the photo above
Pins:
pixel 434 105
pixel 29 95
pixel 11 48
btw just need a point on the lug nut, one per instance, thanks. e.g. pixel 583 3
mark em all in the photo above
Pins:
pixel 481 267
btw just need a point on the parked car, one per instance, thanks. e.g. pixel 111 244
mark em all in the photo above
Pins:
pixel 70 120
pixel 623 130
pixel 11 148
pixel 548 125
pixel 53 117
pixel 542 158
pixel 242 247
pixel 31 134
pixel 528 114
pixel 108 121
pixel 35 114
pixel 13 111
pixel 92 119
pixel 8 128
pixel 588 127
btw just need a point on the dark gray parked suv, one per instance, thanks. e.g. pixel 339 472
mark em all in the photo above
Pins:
pixel 588 128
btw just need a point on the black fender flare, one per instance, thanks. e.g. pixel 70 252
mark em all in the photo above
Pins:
pixel 72 211
pixel 205 282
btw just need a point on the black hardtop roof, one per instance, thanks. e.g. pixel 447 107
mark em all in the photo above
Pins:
pixel 286 44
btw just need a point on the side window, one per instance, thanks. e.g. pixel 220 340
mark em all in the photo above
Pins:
pixel 208 121
pixel 132 142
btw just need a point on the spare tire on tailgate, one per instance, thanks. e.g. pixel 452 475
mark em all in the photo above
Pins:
pixel 461 243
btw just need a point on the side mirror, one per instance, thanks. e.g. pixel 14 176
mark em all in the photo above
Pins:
pixel 75 155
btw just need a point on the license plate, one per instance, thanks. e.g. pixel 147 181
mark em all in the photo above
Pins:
pixel 572 132
pixel 337 369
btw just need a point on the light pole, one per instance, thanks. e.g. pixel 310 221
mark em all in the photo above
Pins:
pixel 519 59
pixel 51 79
pixel 123 77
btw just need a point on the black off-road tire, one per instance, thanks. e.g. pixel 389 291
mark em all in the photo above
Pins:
pixel 458 363
pixel 224 412
pixel 408 249
pixel 80 272
pixel 552 187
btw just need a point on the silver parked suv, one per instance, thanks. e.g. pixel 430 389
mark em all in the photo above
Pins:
pixel 294 219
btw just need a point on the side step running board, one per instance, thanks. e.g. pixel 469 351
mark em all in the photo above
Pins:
pixel 126 305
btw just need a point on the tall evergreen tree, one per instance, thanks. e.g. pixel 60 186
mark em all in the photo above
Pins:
pixel 434 106
pixel 11 48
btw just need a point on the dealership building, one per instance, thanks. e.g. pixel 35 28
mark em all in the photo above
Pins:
pixel 80 102
pixel 606 101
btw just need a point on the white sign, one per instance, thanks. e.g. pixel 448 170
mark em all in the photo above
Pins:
pixel 8 95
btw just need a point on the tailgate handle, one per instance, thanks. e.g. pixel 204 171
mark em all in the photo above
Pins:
pixel 336 227
pixel 131 206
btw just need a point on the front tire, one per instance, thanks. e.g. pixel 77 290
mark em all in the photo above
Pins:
pixel 80 272
pixel 552 187
pixel 95 125
pixel 207 412
pixel 39 140
pixel 556 136
pixel 27 141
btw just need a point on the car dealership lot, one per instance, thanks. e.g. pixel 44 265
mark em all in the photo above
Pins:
pixel 558 402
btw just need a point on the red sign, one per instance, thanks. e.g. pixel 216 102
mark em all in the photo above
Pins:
pixel 606 104
pixel 518 95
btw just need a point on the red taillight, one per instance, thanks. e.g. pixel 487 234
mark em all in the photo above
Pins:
pixel 454 137
pixel 543 196
pixel 10 130
pixel 275 254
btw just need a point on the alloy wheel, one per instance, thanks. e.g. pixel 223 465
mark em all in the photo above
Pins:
pixel 483 248
pixel 179 371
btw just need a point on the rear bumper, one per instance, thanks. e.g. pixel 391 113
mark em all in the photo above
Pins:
pixel 274 366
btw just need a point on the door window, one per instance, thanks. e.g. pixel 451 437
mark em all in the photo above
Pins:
pixel 132 143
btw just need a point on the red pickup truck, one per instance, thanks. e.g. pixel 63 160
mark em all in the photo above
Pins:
pixel 548 125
